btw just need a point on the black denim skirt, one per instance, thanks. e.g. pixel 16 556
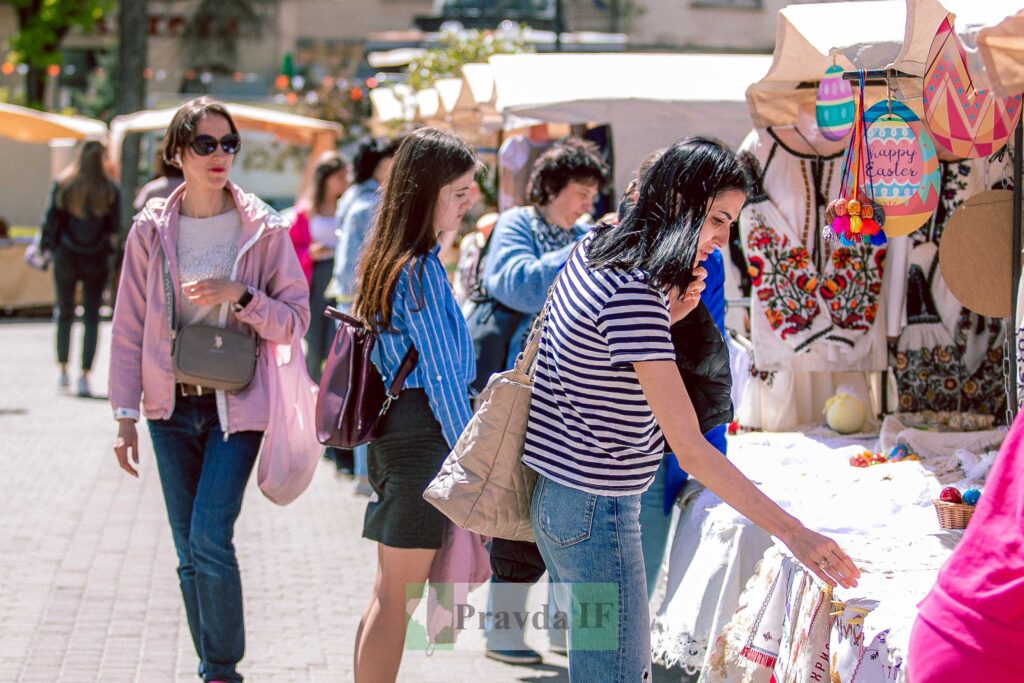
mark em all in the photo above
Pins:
pixel 401 463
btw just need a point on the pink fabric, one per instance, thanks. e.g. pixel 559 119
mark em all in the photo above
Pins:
pixel 463 562
pixel 978 600
pixel 140 350
pixel 935 657
pixel 301 240
pixel 291 452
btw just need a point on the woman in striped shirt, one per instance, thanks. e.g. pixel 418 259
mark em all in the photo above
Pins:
pixel 607 394
pixel 403 293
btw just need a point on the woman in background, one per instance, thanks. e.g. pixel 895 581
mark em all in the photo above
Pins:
pixel 81 224
pixel 315 236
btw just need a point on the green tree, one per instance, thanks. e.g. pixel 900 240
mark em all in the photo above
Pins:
pixel 42 26
pixel 458 48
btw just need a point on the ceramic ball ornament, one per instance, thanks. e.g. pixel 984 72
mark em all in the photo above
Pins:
pixel 834 106
pixel 845 414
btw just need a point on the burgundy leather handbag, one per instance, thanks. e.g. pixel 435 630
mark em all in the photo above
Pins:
pixel 352 397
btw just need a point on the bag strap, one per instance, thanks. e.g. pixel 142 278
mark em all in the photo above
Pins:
pixel 169 299
pixel 526 361
pixel 405 368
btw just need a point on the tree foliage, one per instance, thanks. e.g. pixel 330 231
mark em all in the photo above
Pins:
pixel 42 25
pixel 458 48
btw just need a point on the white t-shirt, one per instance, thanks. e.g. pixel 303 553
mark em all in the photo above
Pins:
pixel 324 229
pixel 207 248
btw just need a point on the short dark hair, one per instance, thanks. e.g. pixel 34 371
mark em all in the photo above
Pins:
pixel 572 160
pixel 659 234
pixel 182 130
pixel 370 153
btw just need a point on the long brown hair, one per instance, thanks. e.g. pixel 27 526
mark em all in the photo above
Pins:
pixel 426 161
pixel 85 189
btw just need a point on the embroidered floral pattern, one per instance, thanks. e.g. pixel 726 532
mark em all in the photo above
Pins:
pixel 927 378
pixel 784 282
pixel 852 287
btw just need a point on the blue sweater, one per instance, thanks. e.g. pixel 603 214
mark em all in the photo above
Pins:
pixel 518 272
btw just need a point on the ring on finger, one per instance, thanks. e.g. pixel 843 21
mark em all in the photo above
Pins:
pixel 822 564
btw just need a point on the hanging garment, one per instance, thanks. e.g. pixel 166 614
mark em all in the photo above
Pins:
pixel 515 162
pixel 814 303
pixel 925 373
pixel 925 362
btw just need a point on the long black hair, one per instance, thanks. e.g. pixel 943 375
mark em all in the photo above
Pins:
pixel 659 234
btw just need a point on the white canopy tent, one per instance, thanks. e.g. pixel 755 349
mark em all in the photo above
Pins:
pixel 650 100
pixel 1002 51
pixel 28 125
pixel 810 38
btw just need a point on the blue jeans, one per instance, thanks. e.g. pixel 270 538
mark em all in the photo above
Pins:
pixel 654 525
pixel 591 546
pixel 203 479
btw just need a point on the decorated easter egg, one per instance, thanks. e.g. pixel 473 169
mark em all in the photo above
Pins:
pixel 834 106
pixel 845 413
pixel 967 121
pixel 902 170
pixel 899 452
pixel 951 494
pixel 857 461
pixel 971 496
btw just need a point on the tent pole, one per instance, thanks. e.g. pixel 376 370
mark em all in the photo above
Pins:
pixel 1018 162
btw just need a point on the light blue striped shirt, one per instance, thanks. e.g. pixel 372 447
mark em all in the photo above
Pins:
pixel 425 313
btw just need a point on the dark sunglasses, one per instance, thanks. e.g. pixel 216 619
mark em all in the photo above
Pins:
pixel 205 145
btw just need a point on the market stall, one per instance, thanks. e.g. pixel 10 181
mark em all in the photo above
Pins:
pixel 631 93
pixel 917 318
pixel 20 286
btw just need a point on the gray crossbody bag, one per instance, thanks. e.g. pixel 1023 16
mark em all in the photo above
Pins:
pixel 207 356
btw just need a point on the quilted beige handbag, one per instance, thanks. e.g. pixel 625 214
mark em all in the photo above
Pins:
pixel 483 485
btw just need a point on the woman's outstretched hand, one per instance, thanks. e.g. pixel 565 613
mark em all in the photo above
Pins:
pixel 823 557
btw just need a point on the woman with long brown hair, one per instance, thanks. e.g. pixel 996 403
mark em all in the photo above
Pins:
pixel 79 230
pixel 403 293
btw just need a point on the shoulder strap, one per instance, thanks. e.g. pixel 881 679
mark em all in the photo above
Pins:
pixel 526 362
pixel 169 299
pixel 405 368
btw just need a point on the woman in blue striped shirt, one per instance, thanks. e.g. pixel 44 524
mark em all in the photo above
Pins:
pixel 403 293
pixel 607 394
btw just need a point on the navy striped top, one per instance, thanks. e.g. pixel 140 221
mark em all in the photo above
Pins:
pixel 590 427
pixel 425 313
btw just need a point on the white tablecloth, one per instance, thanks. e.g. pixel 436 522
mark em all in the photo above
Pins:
pixel 881 515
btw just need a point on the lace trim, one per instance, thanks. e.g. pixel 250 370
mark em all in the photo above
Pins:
pixel 672 649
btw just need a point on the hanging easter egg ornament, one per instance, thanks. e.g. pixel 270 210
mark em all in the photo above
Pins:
pixel 856 216
pixel 902 172
pixel 834 106
pixel 969 122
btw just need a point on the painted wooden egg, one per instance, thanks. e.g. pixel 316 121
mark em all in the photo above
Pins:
pixel 904 173
pixel 834 106
pixel 968 122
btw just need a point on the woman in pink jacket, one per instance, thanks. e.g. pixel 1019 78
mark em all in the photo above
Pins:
pixel 231 264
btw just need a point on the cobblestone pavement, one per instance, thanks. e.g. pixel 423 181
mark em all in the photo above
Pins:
pixel 88 590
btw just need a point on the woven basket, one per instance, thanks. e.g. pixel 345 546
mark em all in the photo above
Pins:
pixel 953 515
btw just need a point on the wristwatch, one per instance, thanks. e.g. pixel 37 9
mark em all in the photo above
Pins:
pixel 244 300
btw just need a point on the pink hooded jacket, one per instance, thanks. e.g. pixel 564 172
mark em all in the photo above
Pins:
pixel 140 354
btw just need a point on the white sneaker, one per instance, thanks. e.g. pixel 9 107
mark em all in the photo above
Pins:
pixel 83 387
pixel 63 381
